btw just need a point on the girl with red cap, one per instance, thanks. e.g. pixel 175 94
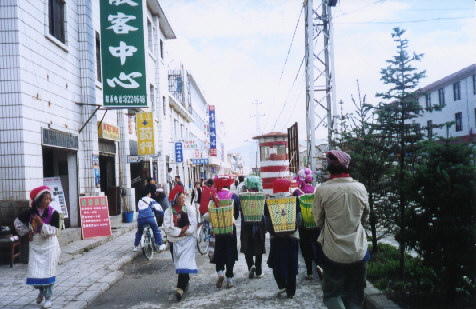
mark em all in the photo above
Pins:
pixel 41 223
pixel 283 252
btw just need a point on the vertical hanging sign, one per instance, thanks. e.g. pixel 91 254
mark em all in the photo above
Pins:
pixel 145 133
pixel 213 130
pixel 123 53
pixel 178 152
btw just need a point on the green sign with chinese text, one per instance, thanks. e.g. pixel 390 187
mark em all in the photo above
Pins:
pixel 123 53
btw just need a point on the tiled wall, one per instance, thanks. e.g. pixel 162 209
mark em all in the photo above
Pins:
pixel 12 185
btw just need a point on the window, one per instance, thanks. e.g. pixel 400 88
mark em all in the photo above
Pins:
pixel 276 152
pixel 175 128
pixel 474 84
pixel 98 58
pixel 441 96
pixel 429 128
pixel 56 19
pixel 428 100
pixel 150 37
pixel 161 49
pixel 456 91
pixel 459 121
pixel 164 106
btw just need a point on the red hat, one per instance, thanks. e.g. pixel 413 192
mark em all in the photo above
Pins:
pixel 281 185
pixel 36 193
pixel 223 181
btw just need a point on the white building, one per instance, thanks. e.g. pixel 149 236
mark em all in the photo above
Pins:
pixel 457 92
pixel 51 105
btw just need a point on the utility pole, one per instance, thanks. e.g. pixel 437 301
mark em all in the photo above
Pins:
pixel 257 116
pixel 320 81
pixel 258 130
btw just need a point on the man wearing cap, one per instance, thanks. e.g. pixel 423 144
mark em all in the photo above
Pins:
pixel 340 207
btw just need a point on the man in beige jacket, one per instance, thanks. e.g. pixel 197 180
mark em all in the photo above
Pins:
pixel 340 207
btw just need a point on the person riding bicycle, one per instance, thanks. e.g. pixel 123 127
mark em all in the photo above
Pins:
pixel 148 207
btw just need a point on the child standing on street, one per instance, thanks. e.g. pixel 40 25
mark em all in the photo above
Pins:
pixel 41 222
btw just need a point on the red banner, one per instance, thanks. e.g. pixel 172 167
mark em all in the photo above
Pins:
pixel 94 216
pixel 213 152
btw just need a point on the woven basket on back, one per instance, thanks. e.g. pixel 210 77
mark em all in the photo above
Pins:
pixel 221 217
pixel 283 213
pixel 306 205
pixel 252 205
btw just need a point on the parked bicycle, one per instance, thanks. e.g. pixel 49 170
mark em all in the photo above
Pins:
pixel 204 235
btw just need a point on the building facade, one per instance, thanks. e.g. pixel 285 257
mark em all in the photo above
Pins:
pixel 53 120
pixel 456 94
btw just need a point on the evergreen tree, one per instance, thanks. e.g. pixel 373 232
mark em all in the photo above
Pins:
pixel 442 228
pixel 358 137
pixel 400 105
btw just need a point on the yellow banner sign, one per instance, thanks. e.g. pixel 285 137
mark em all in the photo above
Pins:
pixel 108 131
pixel 145 133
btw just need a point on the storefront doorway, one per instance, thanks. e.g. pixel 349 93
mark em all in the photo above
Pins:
pixel 62 164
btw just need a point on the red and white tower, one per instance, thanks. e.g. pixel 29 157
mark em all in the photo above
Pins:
pixel 274 160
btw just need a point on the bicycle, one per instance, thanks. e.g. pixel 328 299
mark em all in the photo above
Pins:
pixel 204 235
pixel 148 241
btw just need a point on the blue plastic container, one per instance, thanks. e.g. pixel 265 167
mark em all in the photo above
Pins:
pixel 128 216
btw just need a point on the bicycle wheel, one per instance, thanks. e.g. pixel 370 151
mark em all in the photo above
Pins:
pixel 203 240
pixel 148 248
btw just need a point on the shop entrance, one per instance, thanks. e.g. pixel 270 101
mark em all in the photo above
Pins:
pixel 62 163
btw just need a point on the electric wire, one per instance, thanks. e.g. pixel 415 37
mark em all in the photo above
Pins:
pixel 403 22
pixel 286 100
pixel 286 60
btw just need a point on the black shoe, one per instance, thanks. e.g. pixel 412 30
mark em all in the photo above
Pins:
pixel 252 272
pixel 179 294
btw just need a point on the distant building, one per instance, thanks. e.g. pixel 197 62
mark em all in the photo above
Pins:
pixel 457 92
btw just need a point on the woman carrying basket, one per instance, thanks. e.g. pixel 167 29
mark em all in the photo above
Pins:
pixel 226 245
pixel 283 255
pixel 308 236
pixel 252 235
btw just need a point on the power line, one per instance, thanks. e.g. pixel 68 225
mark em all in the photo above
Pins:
pixel 286 100
pixel 404 22
pixel 287 57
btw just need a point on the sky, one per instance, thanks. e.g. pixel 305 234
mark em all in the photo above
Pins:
pixel 237 50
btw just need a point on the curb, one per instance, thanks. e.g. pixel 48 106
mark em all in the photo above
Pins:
pixel 376 299
pixel 74 248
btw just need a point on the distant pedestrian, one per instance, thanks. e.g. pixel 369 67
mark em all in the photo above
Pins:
pixel 252 235
pixel 148 208
pixel 308 236
pixel 207 191
pixel 340 207
pixel 226 245
pixel 170 179
pixel 150 186
pixel 41 223
pixel 162 199
pixel 241 184
pixel 180 226
pixel 196 198
pixel 283 252
pixel 178 188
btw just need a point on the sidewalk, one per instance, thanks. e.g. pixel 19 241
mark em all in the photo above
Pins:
pixel 83 273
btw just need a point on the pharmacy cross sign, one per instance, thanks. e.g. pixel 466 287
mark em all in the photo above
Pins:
pixel 123 53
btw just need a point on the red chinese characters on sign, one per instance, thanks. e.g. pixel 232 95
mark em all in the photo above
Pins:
pixel 94 216
pixel 213 152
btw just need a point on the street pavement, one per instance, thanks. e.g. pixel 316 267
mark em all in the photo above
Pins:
pixel 79 280
pixel 86 280
pixel 151 284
